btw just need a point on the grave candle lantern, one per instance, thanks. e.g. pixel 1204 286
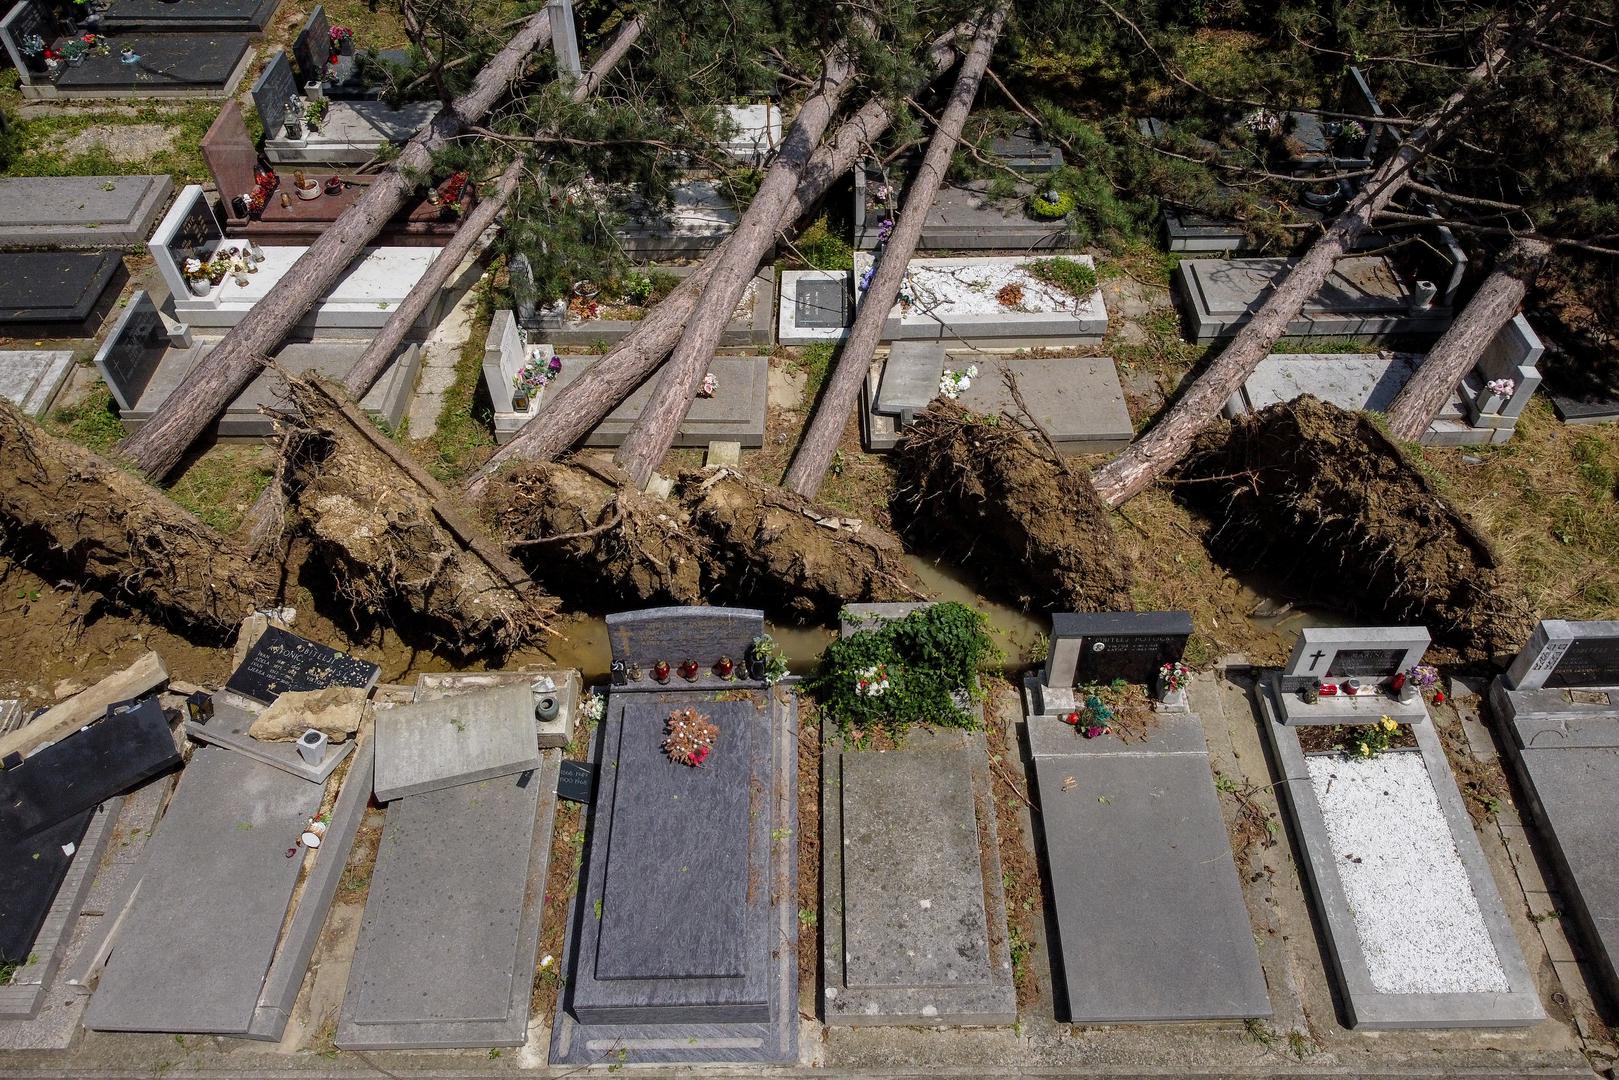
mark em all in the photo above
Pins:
pixel 724 666
pixel 688 670
pixel 660 671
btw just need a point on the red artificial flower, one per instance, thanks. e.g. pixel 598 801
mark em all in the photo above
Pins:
pixel 701 755
pixel 1438 697
pixel 1094 730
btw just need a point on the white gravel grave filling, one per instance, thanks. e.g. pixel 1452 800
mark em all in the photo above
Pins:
pixel 971 290
pixel 1419 923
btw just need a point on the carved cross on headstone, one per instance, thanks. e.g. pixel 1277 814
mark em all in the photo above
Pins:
pixel 1315 659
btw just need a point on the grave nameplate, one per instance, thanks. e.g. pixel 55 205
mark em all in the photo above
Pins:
pixel 675 634
pixel 821 305
pixel 280 662
pixel 1099 647
pixel 1589 661
pixel 577 782
pixel 1378 663
pixel 271 93
pixel 312 48
pixel 198 233
pixel 130 356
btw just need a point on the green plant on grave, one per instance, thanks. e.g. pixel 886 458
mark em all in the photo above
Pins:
pixel 1071 276
pixel 1051 209
pixel 769 650
pixel 920 669
pixel 1369 740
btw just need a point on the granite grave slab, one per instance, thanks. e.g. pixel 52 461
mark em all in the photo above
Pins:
pixel 54 287
pixel 910 378
pixel 32 869
pixel 955 300
pixel 753 323
pixel 87 767
pixel 815 305
pixel 30 378
pixel 1135 830
pixel 280 661
pixel 639 639
pixel 1377 990
pixel 445 741
pixel 171 64
pixel 228 728
pixel 698 220
pixel 80 211
pixel 246 16
pixel 205 973
pixel 554 733
pixel 447 944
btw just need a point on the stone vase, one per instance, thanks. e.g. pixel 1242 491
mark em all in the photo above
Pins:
pixel 1173 700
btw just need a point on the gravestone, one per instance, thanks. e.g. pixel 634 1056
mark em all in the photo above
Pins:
pixel 31 872
pixel 281 661
pixel 1564 654
pixel 910 379
pixel 505 353
pixel 1101 646
pixel 87 767
pixel 1368 653
pixel 56 286
pixel 23 21
pixel 231 155
pixel 190 229
pixel 577 782
pixel 821 305
pixel 80 211
pixel 445 741
pixel 272 91
pixel 674 634
pixel 312 48
pixel 565 692
pixel 130 356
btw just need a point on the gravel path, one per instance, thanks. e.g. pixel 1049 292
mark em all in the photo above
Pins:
pixel 1418 920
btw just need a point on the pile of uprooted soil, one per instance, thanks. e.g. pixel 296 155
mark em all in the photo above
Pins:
pixel 1323 499
pixel 994 498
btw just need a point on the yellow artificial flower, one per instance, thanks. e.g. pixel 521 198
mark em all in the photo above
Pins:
pixel 1388 723
pixel 1365 751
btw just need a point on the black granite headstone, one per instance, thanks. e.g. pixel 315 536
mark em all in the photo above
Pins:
pixel 54 286
pixel 1126 645
pixel 274 87
pixel 1376 663
pixel 85 768
pixel 312 48
pixel 24 20
pixel 199 233
pixel 1592 661
pixel 821 305
pixel 31 873
pixel 577 782
pixel 131 356
pixel 281 661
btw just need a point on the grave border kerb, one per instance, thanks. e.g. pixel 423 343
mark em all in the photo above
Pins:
pixel 1365 1007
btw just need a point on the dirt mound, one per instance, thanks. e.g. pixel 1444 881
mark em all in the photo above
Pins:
pixel 777 544
pixel 594 541
pixel 1001 503
pixel 67 513
pixel 1323 498
pixel 397 545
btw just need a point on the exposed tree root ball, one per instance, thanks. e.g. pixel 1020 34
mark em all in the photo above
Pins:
pixel 992 497
pixel 592 539
pixel 396 545
pixel 64 512
pixel 1322 497
pixel 777 550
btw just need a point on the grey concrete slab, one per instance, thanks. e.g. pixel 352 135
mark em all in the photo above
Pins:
pixel 228 729
pixel 553 734
pixel 1369 653
pixel 910 378
pixel 1364 1006
pixel 934 316
pixel 1150 916
pixel 434 744
pixel 1364 297
pixel 774 1039
pixel 966 217
pixel 80 211
pixel 30 378
pixel 246 16
pixel 205 972
pixel 52 286
pixel 458 966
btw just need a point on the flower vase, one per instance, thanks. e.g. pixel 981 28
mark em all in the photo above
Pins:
pixel 200 286
pixel 1173 700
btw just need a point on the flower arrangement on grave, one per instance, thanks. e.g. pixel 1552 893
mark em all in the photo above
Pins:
pixel 952 383
pixel 710 386
pixel 637 288
pixel 1051 205
pixel 689 737
pixel 452 189
pixel 315 110
pixel 32 45
pixel 1501 387
pixel 872 681
pixel 593 707
pixel 766 659
pixel 1369 740
pixel 126 55
pixel 342 40
pixel 866 276
pixel 885 229
pixel 1010 295
pixel 1263 122
pixel 199 276
pixel 1174 676
pixel 531 382
pixel 924 669
pixel 1351 133
pixel 1098 718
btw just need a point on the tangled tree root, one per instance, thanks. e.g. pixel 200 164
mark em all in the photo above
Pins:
pixel 776 543
pixel 66 512
pixel 1001 503
pixel 1324 497
pixel 396 542
pixel 592 539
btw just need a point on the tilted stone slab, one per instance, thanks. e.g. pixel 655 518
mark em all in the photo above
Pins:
pixel 193 951
pixel 32 869
pixel 247 16
pixel 30 378
pixel 553 734
pixel 228 729
pixel 1150 916
pixel 80 211
pixel 442 742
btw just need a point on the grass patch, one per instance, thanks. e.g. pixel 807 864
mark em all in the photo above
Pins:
pixel 820 248
pixel 222 484
pixel 41 143
pixel 91 423
pixel 1070 275
pixel 815 361
pixel 465 436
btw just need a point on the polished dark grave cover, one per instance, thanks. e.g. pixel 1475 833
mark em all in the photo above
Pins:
pixel 53 286
pixel 167 62
pixel 281 661
pixel 31 872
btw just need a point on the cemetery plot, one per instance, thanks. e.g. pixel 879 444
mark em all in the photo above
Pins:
pixel 1366 296
pixel 604 318
pixel 30 378
pixel 1557 708
pixel 815 306
pixel 698 220
pixel 1483 409
pixel 1349 675
pixel 54 287
pixel 245 16
pixel 80 211
pixel 229 726
pixel 1078 400
pixel 1011 302
pixel 1415 930
pixel 445 741
pixel 554 730
pixel 321 61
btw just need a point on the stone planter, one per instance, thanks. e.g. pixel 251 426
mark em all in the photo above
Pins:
pixel 200 286
pixel 1173 700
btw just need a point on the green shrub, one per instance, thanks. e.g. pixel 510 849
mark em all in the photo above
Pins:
pixel 915 671
pixel 1070 275
pixel 1052 209
pixel 822 249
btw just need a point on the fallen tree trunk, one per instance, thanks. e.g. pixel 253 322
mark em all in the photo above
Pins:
pixel 158 447
pixel 1455 353
pixel 1156 451
pixel 67 513
pixel 821 438
pixel 653 432
pixel 775 543
pixel 582 404
pixel 380 353
pixel 1322 499
pixel 986 493
pixel 395 540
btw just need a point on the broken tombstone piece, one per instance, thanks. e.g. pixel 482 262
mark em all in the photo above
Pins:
pixel 335 711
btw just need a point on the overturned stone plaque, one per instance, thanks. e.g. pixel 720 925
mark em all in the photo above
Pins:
pixel 31 871
pixel 442 742
pixel 228 728
pixel 281 661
